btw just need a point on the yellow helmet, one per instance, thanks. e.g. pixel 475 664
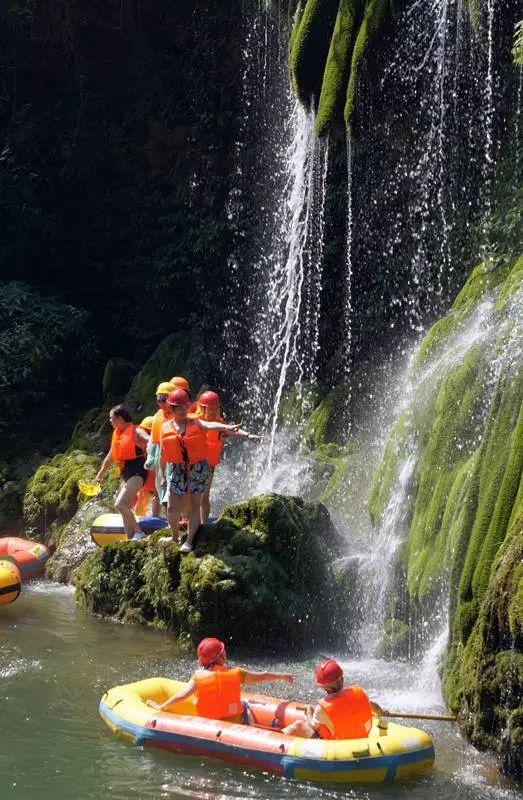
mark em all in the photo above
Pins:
pixel 180 383
pixel 165 388
pixel 147 423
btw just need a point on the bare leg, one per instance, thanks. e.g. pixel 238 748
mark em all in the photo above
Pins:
pixel 299 728
pixel 155 506
pixel 206 498
pixel 174 509
pixel 125 498
pixel 194 519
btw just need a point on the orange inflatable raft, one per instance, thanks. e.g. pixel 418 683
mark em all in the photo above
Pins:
pixel 390 752
pixel 29 557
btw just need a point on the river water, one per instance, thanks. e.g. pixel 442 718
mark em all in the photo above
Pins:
pixel 55 663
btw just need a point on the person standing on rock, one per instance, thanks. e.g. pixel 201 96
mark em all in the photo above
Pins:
pixel 153 448
pixel 183 445
pixel 208 409
pixel 128 446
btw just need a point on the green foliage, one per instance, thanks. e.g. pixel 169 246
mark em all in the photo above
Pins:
pixel 259 576
pixel 40 339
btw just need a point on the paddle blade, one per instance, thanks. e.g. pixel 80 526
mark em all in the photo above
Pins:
pixel 89 489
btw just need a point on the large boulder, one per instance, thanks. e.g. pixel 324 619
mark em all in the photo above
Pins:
pixel 262 576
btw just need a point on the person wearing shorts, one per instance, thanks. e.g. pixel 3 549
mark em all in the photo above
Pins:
pixel 184 447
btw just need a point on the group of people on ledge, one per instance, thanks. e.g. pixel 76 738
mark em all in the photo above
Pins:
pixel 169 458
pixel 343 713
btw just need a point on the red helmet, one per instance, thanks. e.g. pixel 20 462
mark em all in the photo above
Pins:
pixel 328 673
pixel 178 398
pixel 209 400
pixel 209 650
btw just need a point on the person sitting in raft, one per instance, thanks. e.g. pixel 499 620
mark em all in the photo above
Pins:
pixel 184 447
pixel 341 714
pixel 217 687
pixel 128 445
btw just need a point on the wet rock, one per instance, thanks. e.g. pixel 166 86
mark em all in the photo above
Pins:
pixel 261 576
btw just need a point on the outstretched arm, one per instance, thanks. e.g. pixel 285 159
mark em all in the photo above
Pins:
pixel 175 698
pixel 252 678
pixel 228 430
pixel 377 709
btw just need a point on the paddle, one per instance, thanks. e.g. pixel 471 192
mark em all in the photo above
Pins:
pixel 404 715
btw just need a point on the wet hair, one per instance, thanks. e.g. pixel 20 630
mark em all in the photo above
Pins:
pixel 121 411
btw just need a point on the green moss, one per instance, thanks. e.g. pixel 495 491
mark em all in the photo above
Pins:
pixel 323 424
pixel 375 13
pixel 92 433
pixel 298 404
pixel 261 576
pixel 52 493
pixel 171 357
pixel 117 377
pixel 309 48
pixel 337 69
pixel 395 640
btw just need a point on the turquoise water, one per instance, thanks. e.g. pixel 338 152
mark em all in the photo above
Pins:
pixel 55 663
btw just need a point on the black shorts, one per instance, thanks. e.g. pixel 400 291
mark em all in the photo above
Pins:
pixel 134 468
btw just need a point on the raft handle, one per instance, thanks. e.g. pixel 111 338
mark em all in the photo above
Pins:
pixel 117 703
pixel 282 747
pixel 380 748
pixel 218 734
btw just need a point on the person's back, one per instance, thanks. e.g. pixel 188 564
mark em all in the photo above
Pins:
pixel 216 688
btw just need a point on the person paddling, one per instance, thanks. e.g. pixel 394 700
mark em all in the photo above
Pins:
pixel 128 445
pixel 217 688
pixel 344 713
pixel 184 448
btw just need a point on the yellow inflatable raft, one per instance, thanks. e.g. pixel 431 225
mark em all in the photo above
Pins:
pixel 389 753
pixel 10 582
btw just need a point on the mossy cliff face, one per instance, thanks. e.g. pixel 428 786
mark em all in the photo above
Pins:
pixel 328 46
pixel 261 576
pixel 462 430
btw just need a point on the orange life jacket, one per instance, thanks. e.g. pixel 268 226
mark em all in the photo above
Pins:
pixel 159 418
pixel 218 692
pixel 349 713
pixel 123 445
pixel 214 445
pixel 193 442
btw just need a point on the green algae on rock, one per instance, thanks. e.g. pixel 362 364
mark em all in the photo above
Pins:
pixel 261 576
pixel 463 426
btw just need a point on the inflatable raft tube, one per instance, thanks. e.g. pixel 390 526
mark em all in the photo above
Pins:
pixel 29 557
pixel 108 528
pixel 10 582
pixel 386 755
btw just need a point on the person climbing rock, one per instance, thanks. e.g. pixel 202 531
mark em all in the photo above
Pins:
pixel 344 713
pixel 217 688
pixel 183 445
pixel 208 409
pixel 128 445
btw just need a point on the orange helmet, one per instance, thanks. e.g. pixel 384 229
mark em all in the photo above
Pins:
pixel 178 398
pixel 180 383
pixel 209 651
pixel 328 673
pixel 209 400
